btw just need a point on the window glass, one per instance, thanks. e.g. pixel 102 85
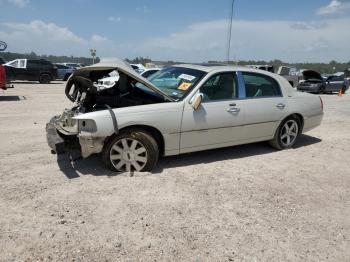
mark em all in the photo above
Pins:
pixel 176 82
pixel 336 78
pixel 22 63
pixel 220 87
pixel 149 73
pixel 13 63
pixel 258 85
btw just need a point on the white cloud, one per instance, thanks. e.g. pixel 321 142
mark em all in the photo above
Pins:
pixel 291 41
pixel 19 3
pixel 49 38
pixel 143 9
pixel 287 40
pixel 335 7
pixel 114 19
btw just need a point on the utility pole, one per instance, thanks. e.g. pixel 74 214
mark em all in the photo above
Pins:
pixel 93 54
pixel 229 32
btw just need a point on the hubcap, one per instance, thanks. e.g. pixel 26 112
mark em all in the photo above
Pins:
pixel 128 154
pixel 289 132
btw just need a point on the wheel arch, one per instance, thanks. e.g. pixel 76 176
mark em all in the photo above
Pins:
pixel 154 132
pixel 45 73
pixel 299 116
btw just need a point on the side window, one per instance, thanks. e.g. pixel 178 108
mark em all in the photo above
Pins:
pixel 33 64
pixel 337 78
pixel 14 63
pixel 258 85
pixel 22 63
pixel 220 87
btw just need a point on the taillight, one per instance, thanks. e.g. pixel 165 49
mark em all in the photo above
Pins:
pixel 321 103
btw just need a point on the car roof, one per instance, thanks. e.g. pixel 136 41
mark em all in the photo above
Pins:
pixel 220 67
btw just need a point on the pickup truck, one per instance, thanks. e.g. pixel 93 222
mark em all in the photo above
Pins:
pixel 31 70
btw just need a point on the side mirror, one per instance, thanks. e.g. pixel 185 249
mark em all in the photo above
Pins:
pixel 197 100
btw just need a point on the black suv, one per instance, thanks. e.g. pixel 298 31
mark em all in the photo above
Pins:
pixel 31 70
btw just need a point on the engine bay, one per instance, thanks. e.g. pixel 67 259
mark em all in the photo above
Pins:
pixel 94 90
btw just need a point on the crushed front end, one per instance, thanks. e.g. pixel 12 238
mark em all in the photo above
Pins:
pixel 62 132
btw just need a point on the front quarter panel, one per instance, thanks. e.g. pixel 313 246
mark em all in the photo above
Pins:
pixel 165 117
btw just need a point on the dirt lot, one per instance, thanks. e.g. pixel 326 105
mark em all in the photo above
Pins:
pixel 246 203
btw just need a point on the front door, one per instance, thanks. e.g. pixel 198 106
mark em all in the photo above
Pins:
pixel 218 120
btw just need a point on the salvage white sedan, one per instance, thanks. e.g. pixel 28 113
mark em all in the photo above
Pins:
pixel 180 109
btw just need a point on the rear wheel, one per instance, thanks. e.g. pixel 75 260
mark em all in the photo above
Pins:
pixel 287 133
pixel 343 90
pixel 133 150
pixel 44 79
pixel 66 77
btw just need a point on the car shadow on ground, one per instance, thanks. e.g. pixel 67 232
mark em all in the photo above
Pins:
pixel 94 166
pixel 35 82
pixel 11 98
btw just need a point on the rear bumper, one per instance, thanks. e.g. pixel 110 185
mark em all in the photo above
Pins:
pixel 312 122
pixel 308 89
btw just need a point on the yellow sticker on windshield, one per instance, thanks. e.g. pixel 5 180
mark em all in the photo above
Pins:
pixel 184 86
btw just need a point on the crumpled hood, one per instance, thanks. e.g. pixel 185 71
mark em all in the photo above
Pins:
pixel 311 74
pixel 121 66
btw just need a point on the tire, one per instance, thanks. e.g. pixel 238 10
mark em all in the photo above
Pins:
pixel 66 77
pixel 280 141
pixel 131 150
pixel 343 90
pixel 322 90
pixel 45 78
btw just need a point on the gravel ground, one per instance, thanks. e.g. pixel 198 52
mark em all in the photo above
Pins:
pixel 245 203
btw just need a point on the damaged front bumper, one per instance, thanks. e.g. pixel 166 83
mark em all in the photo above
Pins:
pixel 61 141
pixel 54 140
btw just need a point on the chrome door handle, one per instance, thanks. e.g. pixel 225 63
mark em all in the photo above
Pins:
pixel 233 110
pixel 281 106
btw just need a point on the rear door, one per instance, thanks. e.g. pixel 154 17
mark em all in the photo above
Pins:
pixel 264 105
pixel 33 69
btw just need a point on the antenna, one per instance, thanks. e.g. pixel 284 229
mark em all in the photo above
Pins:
pixel 229 32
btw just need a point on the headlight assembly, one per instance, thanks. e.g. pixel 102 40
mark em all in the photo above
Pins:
pixel 87 125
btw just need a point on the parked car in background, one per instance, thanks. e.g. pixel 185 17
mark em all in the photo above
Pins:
pixel 347 74
pixel 64 72
pixel 149 71
pixel 290 74
pixel 139 68
pixel 74 65
pixel 268 68
pixel 31 70
pixel 3 81
pixel 180 109
pixel 314 83
pixel 334 83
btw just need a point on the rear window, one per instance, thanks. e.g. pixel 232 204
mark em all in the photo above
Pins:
pixel 258 85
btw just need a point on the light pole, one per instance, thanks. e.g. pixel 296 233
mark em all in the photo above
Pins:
pixel 93 54
pixel 229 33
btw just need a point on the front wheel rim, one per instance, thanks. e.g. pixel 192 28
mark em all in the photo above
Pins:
pixel 289 133
pixel 128 154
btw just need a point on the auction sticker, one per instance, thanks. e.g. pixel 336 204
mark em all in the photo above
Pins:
pixel 184 86
pixel 187 77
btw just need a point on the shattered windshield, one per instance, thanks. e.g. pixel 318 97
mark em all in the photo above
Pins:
pixel 176 82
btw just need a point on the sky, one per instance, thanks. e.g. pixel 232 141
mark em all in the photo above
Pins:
pixel 181 30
